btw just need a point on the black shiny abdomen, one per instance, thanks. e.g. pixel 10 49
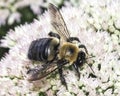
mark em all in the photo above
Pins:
pixel 39 49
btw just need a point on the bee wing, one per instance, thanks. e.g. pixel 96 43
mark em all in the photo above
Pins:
pixel 57 22
pixel 41 71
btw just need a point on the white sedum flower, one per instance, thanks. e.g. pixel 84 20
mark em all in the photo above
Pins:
pixel 9 9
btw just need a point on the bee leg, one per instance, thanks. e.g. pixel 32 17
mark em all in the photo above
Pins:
pixel 73 39
pixel 54 35
pixel 76 69
pixel 83 46
pixel 63 81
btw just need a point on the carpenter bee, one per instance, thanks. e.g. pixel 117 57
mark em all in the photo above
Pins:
pixel 57 50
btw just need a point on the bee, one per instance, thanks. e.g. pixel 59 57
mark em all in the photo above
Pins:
pixel 57 50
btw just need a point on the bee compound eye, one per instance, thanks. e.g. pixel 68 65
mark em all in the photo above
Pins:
pixel 82 54
pixel 81 57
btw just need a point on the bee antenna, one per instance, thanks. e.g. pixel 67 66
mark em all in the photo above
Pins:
pixel 91 68
pixel 90 57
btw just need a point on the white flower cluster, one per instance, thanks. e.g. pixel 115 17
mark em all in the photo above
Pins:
pixel 104 15
pixel 9 8
pixel 106 63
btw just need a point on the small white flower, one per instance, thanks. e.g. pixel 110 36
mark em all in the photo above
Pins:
pixel 14 17
pixel 9 9
pixel 3 16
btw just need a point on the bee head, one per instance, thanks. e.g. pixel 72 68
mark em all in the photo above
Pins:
pixel 81 59
pixel 82 55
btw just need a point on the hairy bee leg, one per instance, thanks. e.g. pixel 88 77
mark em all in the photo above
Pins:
pixel 72 39
pixel 83 46
pixel 60 64
pixel 54 35
pixel 76 69
pixel 63 81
